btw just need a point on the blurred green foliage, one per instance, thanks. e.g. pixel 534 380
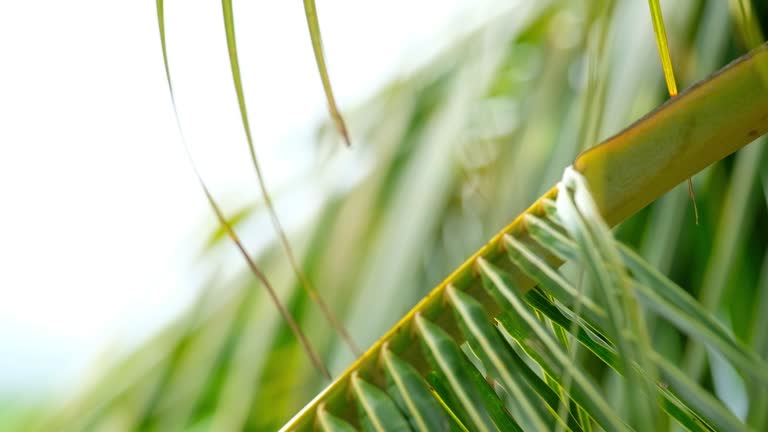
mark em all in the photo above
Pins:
pixel 452 152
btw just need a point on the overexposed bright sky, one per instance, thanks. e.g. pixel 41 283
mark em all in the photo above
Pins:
pixel 100 216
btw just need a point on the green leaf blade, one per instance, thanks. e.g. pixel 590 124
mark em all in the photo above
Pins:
pixel 377 411
pixel 461 376
pixel 330 423
pixel 482 335
pixel 409 391
pixel 310 10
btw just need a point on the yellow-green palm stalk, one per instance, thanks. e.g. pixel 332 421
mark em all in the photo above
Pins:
pixel 625 173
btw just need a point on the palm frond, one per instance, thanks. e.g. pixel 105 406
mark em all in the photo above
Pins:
pixel 579 214
pixel 502 331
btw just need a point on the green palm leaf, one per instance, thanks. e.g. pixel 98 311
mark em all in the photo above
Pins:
pixel 577 232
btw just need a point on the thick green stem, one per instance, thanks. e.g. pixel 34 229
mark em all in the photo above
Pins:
pixel 704 124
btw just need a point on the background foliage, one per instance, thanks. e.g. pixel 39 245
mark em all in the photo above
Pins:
pixel 450 154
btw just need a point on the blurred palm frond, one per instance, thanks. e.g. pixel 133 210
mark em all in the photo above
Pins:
pixel 447 156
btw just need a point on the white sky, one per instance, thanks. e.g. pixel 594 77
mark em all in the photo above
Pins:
pixel 100 216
